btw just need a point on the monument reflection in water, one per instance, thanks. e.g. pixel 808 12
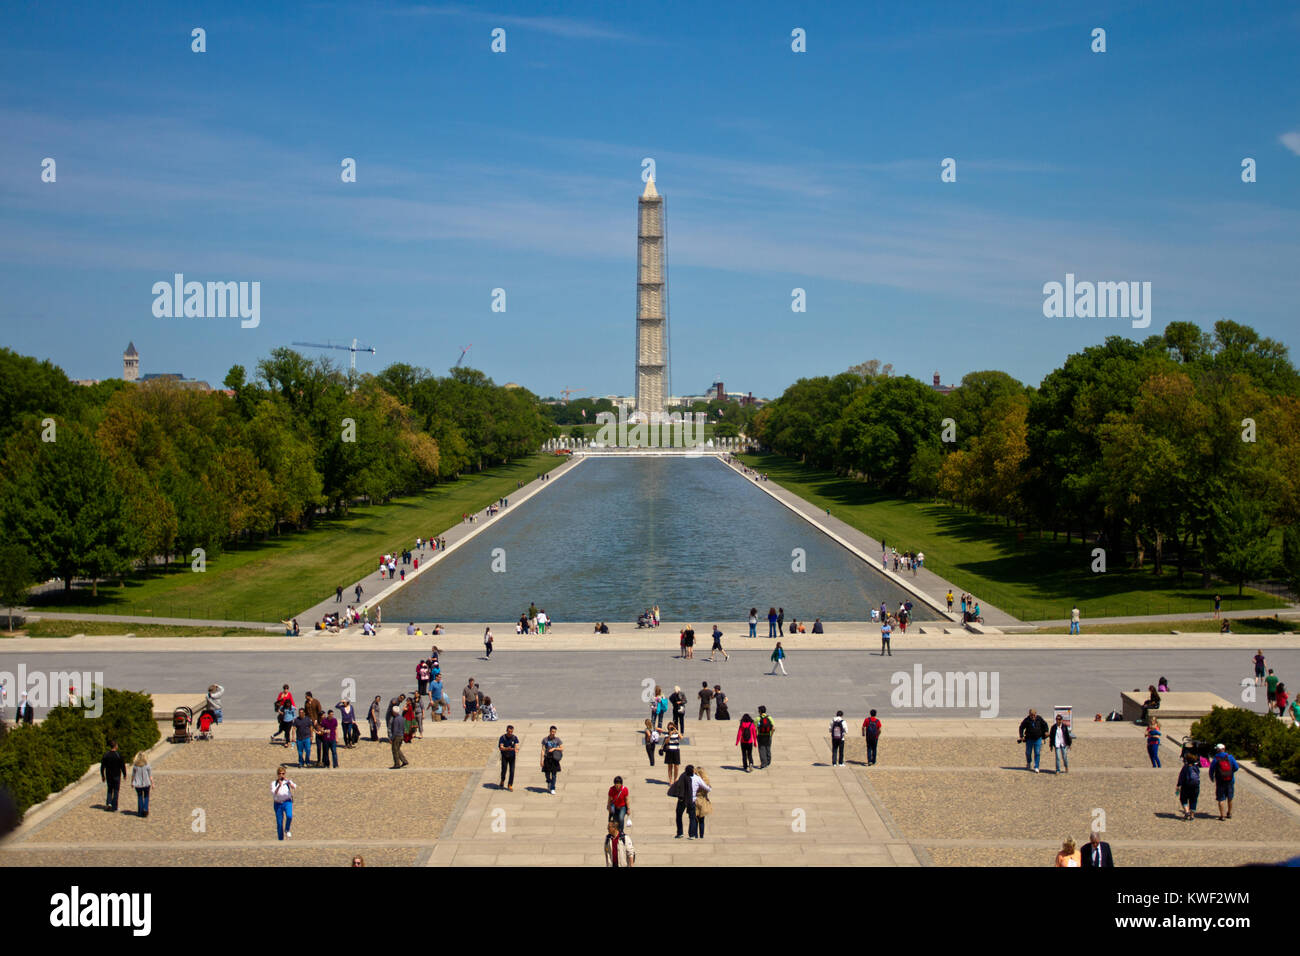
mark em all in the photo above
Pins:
pixel 617 535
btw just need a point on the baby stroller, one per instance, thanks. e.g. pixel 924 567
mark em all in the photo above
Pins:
pixel 1201 749
pixel 206 721
pixel 182 718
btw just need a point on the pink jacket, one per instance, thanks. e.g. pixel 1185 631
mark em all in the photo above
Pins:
pixel 751 737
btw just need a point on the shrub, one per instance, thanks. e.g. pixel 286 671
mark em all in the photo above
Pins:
pixel 1259 737
pixel 39 760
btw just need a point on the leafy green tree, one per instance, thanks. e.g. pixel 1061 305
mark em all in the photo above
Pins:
pixel 1239 546
pixel 16 577
pixel 62 504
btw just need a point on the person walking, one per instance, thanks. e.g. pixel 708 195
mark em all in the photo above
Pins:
pixel 487 644
pixel 681 788
pixel 552 753
pixel 396 732
pixel 753 623
pixel 282 789
pixel 508 745
pixel 469 700
pixel 617 804
pixel 142 781
pixel 778 659
pixel 885 631
pixel 672 752
pixel 651 740
pixel 1068 855
pixel 374 716
pixel 658 706
pixel 1218 604
pixel 1032 731
pixel 706 700
pixel 330 741
pixel 302 738
pixel 338 594
pixel 717 645
pixel 1223 771
pixel 746 738
pixel 688 642
pixel 839 730
pixel 1153 742
pixel 698 784
pixel 1259 668
pixel 678 700
pixel 617 841
pixel 764 737
pixel 1281 700
pixel 112 768
pixel 348 721
pixel 1270 688
pixel 1074 619
pixel 1188 787
pixel 871 731
pixel 771 622
pixel 1060 740
pixel 950 600
pixel 1096 854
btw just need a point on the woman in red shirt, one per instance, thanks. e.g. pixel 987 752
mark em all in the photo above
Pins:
pixel 617 803
pixel 1282 699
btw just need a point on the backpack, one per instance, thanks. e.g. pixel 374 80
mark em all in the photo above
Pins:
pixel 837 729
pixel 663 705
pixel 873 729
pixel 765 728
pixel 1223 768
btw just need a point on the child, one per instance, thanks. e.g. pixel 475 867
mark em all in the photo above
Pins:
pixel 489 712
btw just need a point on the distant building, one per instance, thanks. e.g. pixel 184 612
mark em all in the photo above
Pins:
pixel 130 363
pixel 179 379
pixel 941 389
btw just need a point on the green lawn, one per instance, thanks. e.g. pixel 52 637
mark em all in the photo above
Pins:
pixel 273 579
pixel 1200 625
pixel 1028 577
pixel 69 628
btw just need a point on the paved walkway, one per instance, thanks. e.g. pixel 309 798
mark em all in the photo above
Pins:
pixel 924 583
pixel 945 792
pixel 1290 613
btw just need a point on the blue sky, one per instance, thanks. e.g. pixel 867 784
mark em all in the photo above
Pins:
pixel 521 170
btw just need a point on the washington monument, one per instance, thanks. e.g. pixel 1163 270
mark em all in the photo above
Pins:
pixel 651 306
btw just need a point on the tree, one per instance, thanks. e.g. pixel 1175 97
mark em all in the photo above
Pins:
pixel 1239 547
pixel 16 577
pixel 62 503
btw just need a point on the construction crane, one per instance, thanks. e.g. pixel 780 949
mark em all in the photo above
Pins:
pixel 566 392
pixel 462 355
pixel 353 348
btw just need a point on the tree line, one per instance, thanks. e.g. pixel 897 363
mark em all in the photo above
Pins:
pixel 1184 447
pixel 99 480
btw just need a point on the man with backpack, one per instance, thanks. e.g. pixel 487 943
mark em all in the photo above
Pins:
pixel 839 730
pixel 871 730
pixel 1223 771
pixel 765 731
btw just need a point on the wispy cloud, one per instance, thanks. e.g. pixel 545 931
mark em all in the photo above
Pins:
pixel 1291 141
pixel 569 28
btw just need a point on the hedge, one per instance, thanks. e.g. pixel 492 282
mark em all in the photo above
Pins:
pixel 1267 740
pixel 38 760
